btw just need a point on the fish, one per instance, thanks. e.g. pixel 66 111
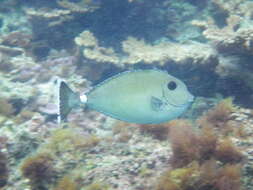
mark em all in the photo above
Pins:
pixel 138 96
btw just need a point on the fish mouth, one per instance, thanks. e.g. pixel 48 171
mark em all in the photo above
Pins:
pixel 190 100
pixel 179 105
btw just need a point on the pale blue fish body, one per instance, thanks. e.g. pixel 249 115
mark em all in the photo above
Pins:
pixel 140 96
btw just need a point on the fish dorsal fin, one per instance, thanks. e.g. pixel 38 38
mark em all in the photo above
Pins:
pixel 156 104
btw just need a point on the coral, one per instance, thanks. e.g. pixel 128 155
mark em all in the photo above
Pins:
pixel 226 152
pixel 79 7
pixel 4 63
pixel 26 145
pixel 65 71
pixel 15 90
pixel 16 39
pixel 93 51
pixel 101 55
pixel 231 7
pixel 231 36
pixel 86 39
pixel 11 51
pixel 6 108
pixel 234 37
pixel 23 116
pixel 66 183
pixel 139 51
pixel 39 170
pixel 46 14
pixel 4 173
pixel 13 19
pixel 52 18
pixel 97 186
pixel 240 130
pixel 239 42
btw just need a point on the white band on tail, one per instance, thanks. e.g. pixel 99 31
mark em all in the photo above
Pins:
pixel 58 83
pixel 83 98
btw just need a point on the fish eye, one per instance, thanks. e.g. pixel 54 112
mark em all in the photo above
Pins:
pixel 172 85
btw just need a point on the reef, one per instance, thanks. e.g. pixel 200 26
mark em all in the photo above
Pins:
pixel 206 44
pixel 138 51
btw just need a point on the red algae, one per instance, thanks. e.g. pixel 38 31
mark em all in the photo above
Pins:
pixel 39 170
pixel 226 152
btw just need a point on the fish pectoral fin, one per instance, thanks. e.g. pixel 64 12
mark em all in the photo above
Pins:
pixel 156 104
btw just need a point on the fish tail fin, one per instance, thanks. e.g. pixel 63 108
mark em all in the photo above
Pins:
pixel 67 100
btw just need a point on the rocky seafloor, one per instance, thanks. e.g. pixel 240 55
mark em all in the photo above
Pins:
pixel 207 44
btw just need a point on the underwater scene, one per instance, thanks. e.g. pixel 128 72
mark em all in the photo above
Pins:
pixel 126 94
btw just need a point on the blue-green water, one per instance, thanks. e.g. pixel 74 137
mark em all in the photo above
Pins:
pixel 208 45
